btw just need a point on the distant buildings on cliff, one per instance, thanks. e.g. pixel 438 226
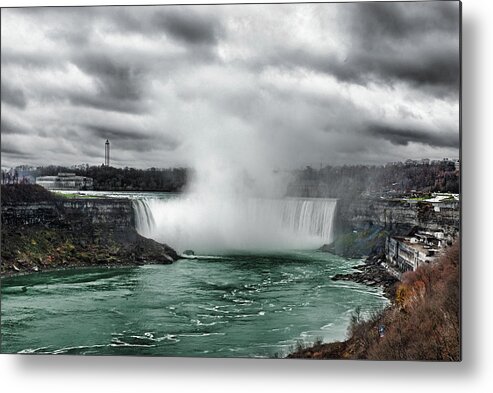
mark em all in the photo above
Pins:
pixel 421 246
pixel 65 181
pixel 426 161
pixel 407 253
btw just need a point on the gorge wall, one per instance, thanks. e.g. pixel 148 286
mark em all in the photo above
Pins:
pixel 363 224
pixel 362 213
pixel 116 215
pixel 62 233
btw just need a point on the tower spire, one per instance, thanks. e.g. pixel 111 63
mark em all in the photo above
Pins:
pixel 107 153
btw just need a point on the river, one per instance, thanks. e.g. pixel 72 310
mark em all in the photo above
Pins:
pixel 248 304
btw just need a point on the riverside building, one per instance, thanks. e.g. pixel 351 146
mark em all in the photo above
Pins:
pixel 407 253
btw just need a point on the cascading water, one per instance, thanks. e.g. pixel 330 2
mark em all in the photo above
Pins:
pixel 144 220
pixel 236 224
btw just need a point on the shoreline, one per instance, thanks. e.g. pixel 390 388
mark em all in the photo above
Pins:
pixel 81 267
pixel 371 274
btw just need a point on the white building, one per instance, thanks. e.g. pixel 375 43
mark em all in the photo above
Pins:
pixel 407 253
pixel 65 181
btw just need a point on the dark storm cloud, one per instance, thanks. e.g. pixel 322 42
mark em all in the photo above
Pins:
pixel 120 77
pixel 188 27
pixel 13 96
pixel 14 149
pixel 143 146
pixel 114 132
pixel 439 68
pixel 105 102
pixel 403 136
pixel 371 21
pixel 306 79
pixel 10 126
pixel 414 43
pixel 133 139
pixel 119 84
pixel 182 24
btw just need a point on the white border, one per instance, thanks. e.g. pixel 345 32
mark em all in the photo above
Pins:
pixel 86 374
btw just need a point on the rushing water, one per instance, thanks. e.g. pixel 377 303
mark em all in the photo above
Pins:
pixel 232 224
pixel 254 303
pixel 233 306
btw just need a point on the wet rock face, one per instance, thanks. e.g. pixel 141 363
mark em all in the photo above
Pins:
pixel 363 213
pixel 371 273
pixel 116 214
pixel 78 232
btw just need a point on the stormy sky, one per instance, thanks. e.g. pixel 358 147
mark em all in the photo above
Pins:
pixel 301 84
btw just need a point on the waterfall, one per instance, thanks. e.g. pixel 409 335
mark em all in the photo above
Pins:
pixel 144 220
pixel 313 217
pixel 247 224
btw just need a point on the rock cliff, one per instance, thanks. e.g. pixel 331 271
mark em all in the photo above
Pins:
pixel 54 232
pixel 362 213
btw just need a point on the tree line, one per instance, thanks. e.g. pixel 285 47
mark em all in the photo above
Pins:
pixel 125 179
pixel 340 181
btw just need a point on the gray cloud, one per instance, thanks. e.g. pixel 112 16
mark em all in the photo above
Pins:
pixel 14 150
pixel 415 43
pixel 401 20
pixel 10 126
pixel 13 96
pixel 403 136
pixel 188 26
pixel 119 85
pixel 117 133
pixel 299 83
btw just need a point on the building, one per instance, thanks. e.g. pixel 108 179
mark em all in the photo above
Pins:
pixel 107 153
pixel 457 165
pixel 65 181
pixel 439 201
pixel 407 253
pixel 444 201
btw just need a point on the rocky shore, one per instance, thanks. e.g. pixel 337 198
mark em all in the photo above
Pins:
pixel 371 273
pixel 422 322
pixel 42 231
pixel 356 244
pixel 31 250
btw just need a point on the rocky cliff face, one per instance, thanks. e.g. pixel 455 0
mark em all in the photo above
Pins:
pixel 363 213
pixel 115 214
pixel 74 232
pixel 363 224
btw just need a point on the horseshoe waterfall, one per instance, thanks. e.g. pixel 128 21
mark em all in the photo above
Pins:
pixel 236 224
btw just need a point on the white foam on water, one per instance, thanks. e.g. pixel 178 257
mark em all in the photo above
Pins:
pixel 236 224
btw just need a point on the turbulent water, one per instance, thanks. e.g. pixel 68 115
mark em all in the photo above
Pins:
pixel 232 224
pixel 254 303
pixel 234 306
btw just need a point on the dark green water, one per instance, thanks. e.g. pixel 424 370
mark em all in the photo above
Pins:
pixel 239 306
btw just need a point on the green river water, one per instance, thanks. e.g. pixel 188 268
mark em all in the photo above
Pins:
pixel 233 306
